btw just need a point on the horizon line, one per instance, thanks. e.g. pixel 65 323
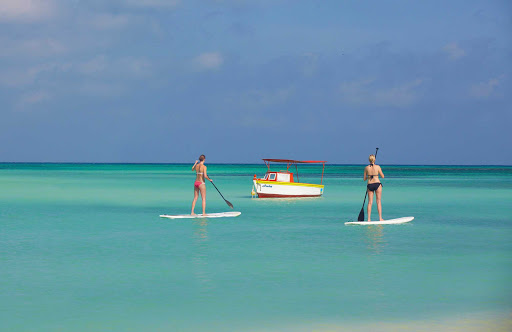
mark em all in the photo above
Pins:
pixel 186 163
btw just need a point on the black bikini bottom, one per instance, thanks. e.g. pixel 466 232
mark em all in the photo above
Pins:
pixel 373 186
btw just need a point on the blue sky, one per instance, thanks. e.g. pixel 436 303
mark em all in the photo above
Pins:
pixel 164 81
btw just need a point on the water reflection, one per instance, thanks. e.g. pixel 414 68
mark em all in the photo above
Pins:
pixel 200 255
pixel 374 238
pixel 201 231
pixel 375 243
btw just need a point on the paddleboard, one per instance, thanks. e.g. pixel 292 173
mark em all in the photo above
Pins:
pixel 384 222
pixel 208 215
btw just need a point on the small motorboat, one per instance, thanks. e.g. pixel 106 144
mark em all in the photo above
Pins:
pixel 284 183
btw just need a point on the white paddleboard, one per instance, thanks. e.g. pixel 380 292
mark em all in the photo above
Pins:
pixel 208 215
pixel 384 222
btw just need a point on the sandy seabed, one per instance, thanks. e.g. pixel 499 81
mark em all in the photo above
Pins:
pixel 488 322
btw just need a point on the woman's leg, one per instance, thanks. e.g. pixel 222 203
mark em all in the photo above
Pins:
pixel 378 194
pixel 370 202
pixel 196 194
pixel 203 196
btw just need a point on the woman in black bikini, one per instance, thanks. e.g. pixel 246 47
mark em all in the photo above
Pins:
pixel 371 173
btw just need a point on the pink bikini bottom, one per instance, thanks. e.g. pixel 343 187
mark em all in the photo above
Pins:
pixel 197 184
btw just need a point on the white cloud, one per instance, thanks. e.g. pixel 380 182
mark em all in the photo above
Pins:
pixel 101 89
pixel 265 98
pixel 16 77
pixel 485 89
pixel 109 21
pixel 94 66
pixel 26 10
pixel 31 47
pixel 212 60
pixel 454 51
pixel 135 66
pixel 365 92
pixel 32 98
pixel 310 65
pixel 121 67
pixel 153 3
pixel 98 67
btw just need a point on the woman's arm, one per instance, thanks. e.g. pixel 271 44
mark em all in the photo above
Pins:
pixel 380 172
pixel 364 175
pixel 194 167
pixel 206 175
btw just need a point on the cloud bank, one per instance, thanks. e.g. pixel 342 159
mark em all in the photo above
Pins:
pixel 26 10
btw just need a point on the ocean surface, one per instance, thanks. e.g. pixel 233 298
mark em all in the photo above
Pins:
pixel 82 248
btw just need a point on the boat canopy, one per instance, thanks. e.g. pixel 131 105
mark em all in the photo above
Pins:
pixel 291 162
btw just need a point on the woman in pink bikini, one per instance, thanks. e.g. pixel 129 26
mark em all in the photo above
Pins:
pixel 199 185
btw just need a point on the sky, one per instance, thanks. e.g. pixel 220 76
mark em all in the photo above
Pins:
pixel 163 81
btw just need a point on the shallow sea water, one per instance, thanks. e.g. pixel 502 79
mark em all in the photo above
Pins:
pixel 82 248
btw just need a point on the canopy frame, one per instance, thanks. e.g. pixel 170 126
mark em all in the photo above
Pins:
pixel 290 162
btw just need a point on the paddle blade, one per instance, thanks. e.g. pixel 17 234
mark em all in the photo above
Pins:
pixel 361 215
pixel 225 200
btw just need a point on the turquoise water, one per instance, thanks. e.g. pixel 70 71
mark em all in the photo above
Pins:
pixel 82 248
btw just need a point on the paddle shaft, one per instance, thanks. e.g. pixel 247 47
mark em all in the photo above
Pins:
pixel 361 213
pixel 227 202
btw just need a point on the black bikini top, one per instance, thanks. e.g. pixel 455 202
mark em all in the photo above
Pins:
pixel 371 176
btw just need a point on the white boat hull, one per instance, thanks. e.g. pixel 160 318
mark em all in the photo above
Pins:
pixel 267 189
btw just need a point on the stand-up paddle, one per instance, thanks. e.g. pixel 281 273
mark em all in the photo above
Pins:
pixel 227 202
pixel 361 213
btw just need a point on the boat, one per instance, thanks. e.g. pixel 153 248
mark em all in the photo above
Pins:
pixel 284 183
